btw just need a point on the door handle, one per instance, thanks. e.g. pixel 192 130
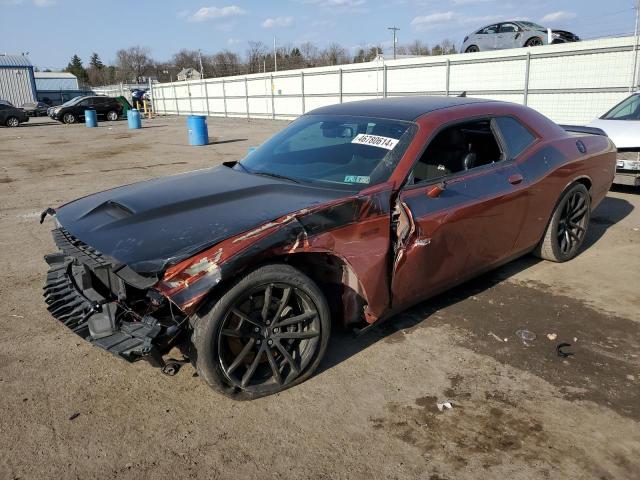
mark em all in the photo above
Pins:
pixel 515 179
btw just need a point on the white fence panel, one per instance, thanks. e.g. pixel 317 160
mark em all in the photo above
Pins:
pixel 570 83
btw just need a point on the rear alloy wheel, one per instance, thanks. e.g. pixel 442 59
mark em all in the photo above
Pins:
pixel 472 49
pixel 12 122
pixel 69 118
pixel 534 42
pixel 267 333
pixel 568 226
pixel 112 115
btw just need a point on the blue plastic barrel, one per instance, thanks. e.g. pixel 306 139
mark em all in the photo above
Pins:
pixel 198 131
pixel 133 118
pixel 90 118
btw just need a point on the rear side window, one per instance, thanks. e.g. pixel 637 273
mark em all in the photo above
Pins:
pixel 516 136
pixel 628 109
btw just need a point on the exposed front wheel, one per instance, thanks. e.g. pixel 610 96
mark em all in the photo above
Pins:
pixel 568 226
pixel 267 333
pixel 12 122
pixel 472 49
pixel 533 42
pixel 69 118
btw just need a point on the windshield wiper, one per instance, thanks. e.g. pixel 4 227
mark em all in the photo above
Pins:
pixel 276 175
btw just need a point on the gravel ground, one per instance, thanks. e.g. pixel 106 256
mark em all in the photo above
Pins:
pixel 68 410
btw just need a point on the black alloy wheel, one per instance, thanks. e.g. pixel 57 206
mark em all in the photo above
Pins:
pixel 472 49
pixel 269 336
pixel 568 226
pixel 572 225
pixel 267 333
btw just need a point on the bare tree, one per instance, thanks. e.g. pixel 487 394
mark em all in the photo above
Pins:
pixel 311 54
pixel 417 47
pixel 334 54
pixel 225 63
pixel 133 63
pixel 255 56
pixel 186 59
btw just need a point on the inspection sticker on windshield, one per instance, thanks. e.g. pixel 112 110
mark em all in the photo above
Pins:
pixel 356 179
pixel 375 141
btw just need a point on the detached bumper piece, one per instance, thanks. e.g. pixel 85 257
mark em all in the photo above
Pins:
pixel 82 292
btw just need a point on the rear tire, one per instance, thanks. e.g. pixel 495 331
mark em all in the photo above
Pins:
pixel 266 333
pixel 12 122
pixel 112 115
pixel 567 228
pixel 69 118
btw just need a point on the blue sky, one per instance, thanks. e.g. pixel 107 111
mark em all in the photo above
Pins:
pixel 53 30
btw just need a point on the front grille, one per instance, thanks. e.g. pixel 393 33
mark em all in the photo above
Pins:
pixel 82 252
pixel 63 299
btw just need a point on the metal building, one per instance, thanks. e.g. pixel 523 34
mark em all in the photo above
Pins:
pixel 55 88
pixel 17 84
pixel 54 81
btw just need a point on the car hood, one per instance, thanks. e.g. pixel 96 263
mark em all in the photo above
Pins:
pixel 152 224
pixel 624 133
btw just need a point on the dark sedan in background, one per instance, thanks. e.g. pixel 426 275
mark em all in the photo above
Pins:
pixel 35 109
pixel 11 116
pixel 73 110
pixel 514 34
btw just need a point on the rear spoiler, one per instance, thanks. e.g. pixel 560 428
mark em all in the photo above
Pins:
pixel 581 129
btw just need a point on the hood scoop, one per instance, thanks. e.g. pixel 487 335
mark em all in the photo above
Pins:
pixel 115 210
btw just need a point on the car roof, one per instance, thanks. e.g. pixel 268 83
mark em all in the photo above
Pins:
pixel 396 108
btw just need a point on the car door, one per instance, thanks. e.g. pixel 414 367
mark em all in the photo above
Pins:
pixel 488 37
pixel 507 37
pixel 454 222
pixel 3 113
pixel 80 107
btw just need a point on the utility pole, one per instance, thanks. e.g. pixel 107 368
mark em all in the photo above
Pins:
pixel 275 55
pixel 200 60
pixel 635 50
pixel 395 39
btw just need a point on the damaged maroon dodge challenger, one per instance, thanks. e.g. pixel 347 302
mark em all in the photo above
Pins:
pixel 349 215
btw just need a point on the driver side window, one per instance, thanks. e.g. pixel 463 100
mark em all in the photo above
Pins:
pixel 458 148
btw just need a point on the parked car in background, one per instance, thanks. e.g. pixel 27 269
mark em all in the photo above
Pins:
pixel 6 102
pixel 354 212
pixel 73 110
pixel 11 116
pixel 514 34
pixel 622 125
pixel 35 109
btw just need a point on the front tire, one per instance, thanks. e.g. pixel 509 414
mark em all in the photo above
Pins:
pixel 568 226
pixel 69 118
pixel 12 122
pixel 472 49
pixel 267 333
pixel 533 42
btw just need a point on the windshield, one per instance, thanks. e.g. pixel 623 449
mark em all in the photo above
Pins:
pixel 534 26
pixel 628 109
pixel 337 150
pixel 73 101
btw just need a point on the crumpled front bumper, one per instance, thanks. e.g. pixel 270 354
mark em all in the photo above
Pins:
pixel 74 298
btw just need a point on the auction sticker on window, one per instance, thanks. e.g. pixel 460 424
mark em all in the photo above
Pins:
pixel 375 141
